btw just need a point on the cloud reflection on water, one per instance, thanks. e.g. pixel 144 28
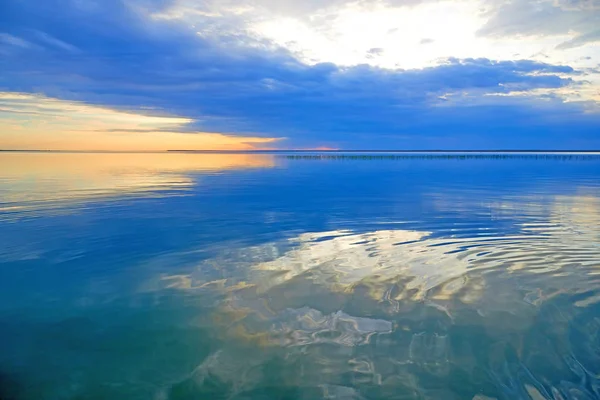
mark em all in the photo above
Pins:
pixel 414 296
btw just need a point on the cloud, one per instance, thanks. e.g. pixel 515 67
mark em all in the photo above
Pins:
pixel 375 52
pixel 56 43
pixel 544 17
pixel 579 5
pixel 343 32
pixel 233 84
pixel 279 8
pixel 38 122
pixel 580 40
pixel 11 40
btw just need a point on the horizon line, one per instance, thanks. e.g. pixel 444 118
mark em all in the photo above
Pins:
pixel 308 151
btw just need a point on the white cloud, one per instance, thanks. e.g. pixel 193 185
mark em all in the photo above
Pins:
pixel 410 34
pixel 343 32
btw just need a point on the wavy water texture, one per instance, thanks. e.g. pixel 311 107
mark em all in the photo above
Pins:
pixel 31 183
pixel 403 303
pixel 418 278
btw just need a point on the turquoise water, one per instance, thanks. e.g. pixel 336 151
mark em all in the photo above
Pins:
pixel 299 276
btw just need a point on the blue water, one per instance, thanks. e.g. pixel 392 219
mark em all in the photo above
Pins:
pixel 299 276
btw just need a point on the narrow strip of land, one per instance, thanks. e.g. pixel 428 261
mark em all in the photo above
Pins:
pixel 275 151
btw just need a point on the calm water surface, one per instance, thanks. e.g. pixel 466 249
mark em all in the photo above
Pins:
pixel 274 276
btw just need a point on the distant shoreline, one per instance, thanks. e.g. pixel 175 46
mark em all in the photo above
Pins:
pixel 297 151
pixel 383 151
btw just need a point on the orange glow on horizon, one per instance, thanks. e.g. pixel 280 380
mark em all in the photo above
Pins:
pixel 33 122
pixel 325 148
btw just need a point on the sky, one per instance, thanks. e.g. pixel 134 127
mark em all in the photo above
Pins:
pixel 288 74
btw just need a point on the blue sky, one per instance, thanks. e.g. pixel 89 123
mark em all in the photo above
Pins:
pixel 385 74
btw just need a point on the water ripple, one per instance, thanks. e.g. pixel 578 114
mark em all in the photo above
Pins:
pixel 418 297
pixel 475 277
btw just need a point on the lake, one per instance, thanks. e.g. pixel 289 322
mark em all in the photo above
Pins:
pixel 299 276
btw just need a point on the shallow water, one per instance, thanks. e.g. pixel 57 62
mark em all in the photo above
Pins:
pixel 299 276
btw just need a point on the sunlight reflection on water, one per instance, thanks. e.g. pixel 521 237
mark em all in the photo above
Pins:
pixel 34 181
